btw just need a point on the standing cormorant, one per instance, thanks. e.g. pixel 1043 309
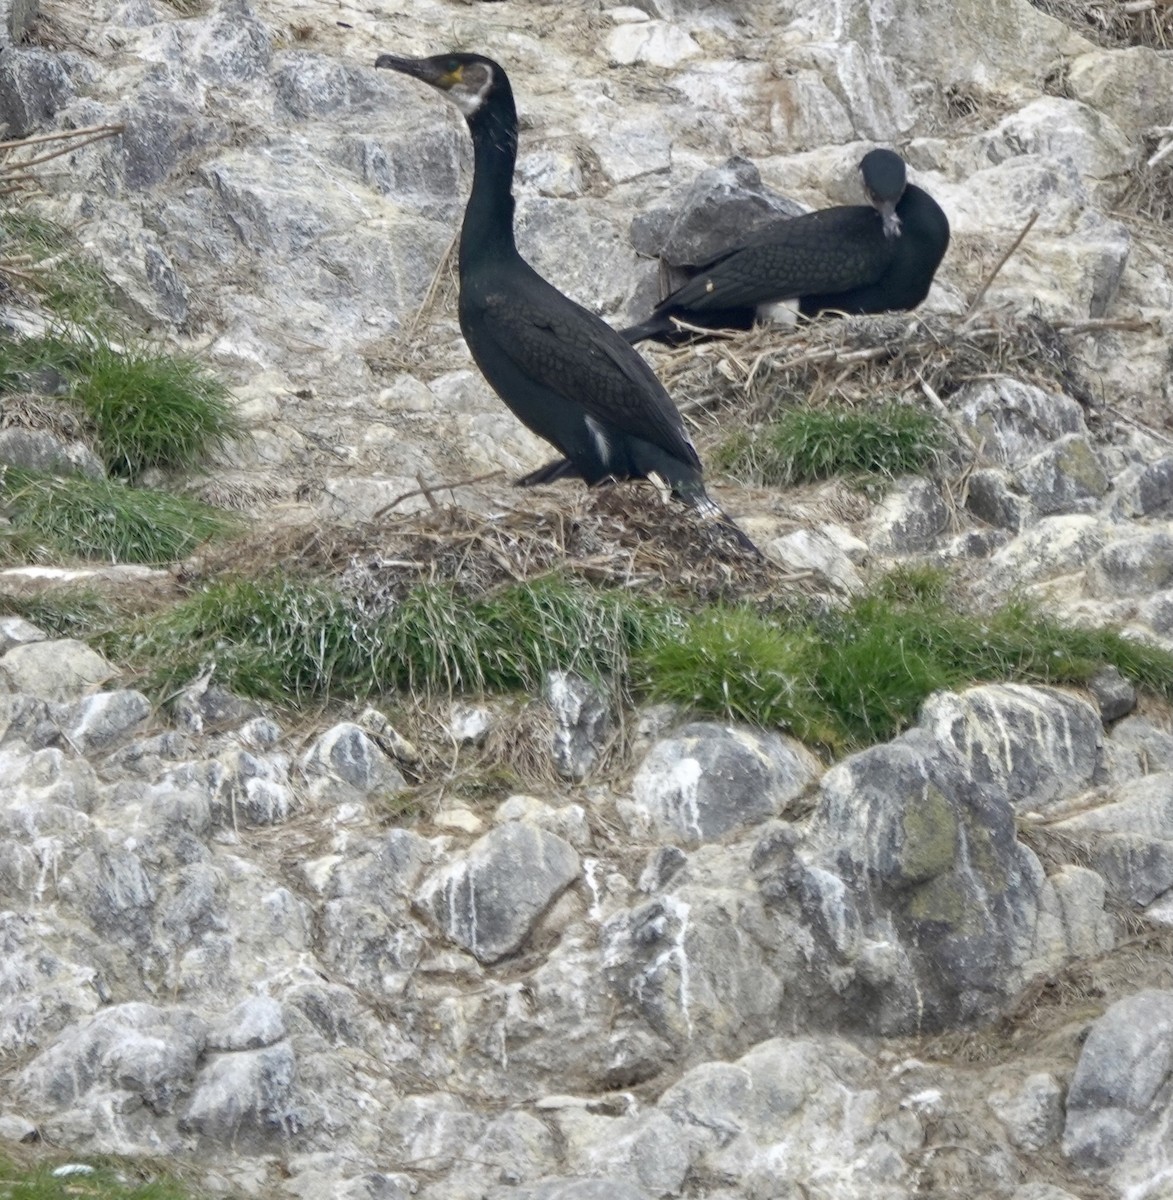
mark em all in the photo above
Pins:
pixel 564 372
pixel 854 258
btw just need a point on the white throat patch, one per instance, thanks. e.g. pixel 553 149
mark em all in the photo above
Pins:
pixel 469 94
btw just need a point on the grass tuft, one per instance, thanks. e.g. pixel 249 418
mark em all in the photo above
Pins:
pixel 101 1183
pixel 282 640
pixel 153 409
pixel 806 445
pixel 65 280
pixel 146 408
pixel 100 520
pixel 859 676
pixel 67 613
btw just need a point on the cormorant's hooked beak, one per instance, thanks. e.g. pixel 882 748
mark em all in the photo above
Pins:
pixel 429 70
pixel 889 217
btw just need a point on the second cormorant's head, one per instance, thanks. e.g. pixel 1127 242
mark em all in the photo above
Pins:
pixel 472 81
pixel 884 180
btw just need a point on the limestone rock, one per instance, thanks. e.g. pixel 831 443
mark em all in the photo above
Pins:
pixel 1067 477
pixel 205 707
pixel 768 1118
pixel 54 670
pixel 813 550
pixel 911 517
pixel 1130 837
pixel 709 779
pixel 437 1129
pixel 1034 745
pixel 1053 547
pixel 1066 131
pixel 245 1097
pixel 35 86
pixel 583 722
pixel 1129 566
pixel 1033 1114
pixel 347 753
pixel 1010 421
pixel 129 1055
pixel 1125 83
pixel 1115 695
pixel 1151 493
pixel 656 43
pixel 16 631
pixel 722 207
pixel 489 899
pixel 687 960
pixel 38 450
pixel 97 722
pixel 1125 1062
pixel 251 1025
pixel 931 856
pixel 993 496
pixel 649 1150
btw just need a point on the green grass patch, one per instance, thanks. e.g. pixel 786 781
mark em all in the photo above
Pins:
pixel 66 280
pixel 102 1183
pixel 67 612
pixel 806 445
pixel 100 520
pixel 285 640
pixel 153 409
pixel 145 407
pixel 858 676
pixel 841 679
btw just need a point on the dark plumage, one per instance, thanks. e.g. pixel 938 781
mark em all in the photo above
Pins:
pixel 856 258
pixel 563 371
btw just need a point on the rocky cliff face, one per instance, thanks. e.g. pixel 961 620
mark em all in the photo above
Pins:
pixel 936 966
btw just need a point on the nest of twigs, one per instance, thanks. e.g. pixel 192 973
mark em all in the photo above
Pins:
pixel 625 535
pixel 854 362
pixel 1116 22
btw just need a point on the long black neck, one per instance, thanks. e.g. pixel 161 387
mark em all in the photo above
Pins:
pixel 488 218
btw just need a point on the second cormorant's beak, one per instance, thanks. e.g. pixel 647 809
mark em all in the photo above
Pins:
pixel 891 222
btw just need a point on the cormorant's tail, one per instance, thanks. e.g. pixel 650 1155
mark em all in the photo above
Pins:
pixel 694 495
pixel 559 468
pixel 655 327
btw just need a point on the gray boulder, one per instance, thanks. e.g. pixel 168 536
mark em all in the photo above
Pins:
pixel 710 779
pixel 911 518
pixel 54 670
pixel 1033 745
pixel 1123 1068
pixel 583 723
pixel 1010 421
pixel 1066 477
pixel 1128 837
pixel 489 899
pixel 245 1098
pixel 723 206
pixel 119 1076
pixel 39 450
pixel 348 754
pixel 1128 566
pixel 97 722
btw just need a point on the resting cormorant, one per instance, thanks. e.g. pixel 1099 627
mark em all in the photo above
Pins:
pixel 564 372
pixel 854 258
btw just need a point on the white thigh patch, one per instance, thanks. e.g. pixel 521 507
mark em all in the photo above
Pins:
pixel 599 434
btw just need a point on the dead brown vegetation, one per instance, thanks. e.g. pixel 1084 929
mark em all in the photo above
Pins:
pixel 1116 22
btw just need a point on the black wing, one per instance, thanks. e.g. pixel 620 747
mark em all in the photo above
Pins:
pixel 831 250
pixel 569 351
